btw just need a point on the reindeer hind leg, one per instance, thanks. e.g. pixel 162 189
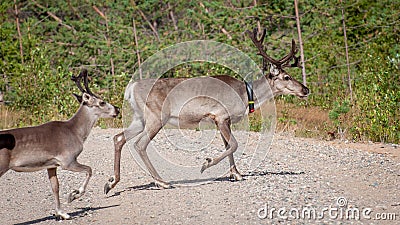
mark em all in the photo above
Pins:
pixel 4 161
pixel 7 143
pixel 52 172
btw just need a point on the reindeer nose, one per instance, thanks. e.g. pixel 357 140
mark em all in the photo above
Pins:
pixel 117 111
pixel 306 91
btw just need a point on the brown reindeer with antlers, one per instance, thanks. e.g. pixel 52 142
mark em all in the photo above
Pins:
pixel 56 144
pixel 184 102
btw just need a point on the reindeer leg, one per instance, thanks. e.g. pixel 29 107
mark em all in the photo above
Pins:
pixel 119 142
pixel 3 171
pixel 224 127
pixel 141 145
pixel 74 166
pixel 120 139
pixel 4 161
pixel 52 172
pixel 234 172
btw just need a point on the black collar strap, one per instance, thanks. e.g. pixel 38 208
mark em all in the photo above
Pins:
pixel 250 95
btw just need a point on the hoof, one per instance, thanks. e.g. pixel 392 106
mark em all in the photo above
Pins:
pixel 236 176
pixel 107 188
pixel 206 164
pixel 62 216
pixel 73 195
pixel 109 185
pixel 162 184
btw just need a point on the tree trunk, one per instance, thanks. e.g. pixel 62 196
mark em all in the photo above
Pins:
pixel 347 54
pixel 303 69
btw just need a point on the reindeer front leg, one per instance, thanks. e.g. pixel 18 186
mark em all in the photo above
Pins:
pixel 141 146
pixel 77 167
pixel 231 146
pixel 234 172
pixel 52 172
pixel 120 139
pixel 119 142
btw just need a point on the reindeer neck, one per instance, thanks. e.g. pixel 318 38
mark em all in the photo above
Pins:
pixel 82 122
pixel 263 91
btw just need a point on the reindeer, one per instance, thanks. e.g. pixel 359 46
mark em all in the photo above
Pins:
pixel 183 102
pixel 56 144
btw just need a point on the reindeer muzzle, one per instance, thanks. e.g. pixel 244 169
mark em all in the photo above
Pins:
pixel 117 111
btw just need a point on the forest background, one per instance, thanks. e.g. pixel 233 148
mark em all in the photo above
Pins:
pixel 351 56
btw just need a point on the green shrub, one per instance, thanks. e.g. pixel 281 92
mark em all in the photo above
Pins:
pixel 378 100
pixel 337 110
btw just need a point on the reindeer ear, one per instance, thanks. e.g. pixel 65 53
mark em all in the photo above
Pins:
pixel 273 69
pixel 87 99
pixel 78 97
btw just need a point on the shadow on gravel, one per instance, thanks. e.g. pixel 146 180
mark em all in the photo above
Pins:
pixel 150 186
pixel 180 183
pixel 80 213
pixel 197 182
pixel 264 173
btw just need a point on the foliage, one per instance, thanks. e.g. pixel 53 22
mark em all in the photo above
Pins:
pixel 378 103
pixel 337 110
pixel 58 38
pixel 337 115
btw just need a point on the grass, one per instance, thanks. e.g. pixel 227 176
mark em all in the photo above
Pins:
pixel 8 118
pixel 304 121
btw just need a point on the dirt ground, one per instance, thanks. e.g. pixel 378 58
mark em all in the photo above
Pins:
pixel 301 181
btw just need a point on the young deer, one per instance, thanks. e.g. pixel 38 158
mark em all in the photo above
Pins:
pixel 56 144
pixel 184 102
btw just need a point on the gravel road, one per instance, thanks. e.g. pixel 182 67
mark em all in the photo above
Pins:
pixel 301 181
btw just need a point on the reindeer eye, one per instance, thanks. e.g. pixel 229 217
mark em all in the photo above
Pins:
pixel 288 78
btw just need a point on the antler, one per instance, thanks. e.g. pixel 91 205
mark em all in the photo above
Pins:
pixel 291 54
pixel 259 44
pixel 284 61
pixel 85 82
pixel 77 80
pixel 295 64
